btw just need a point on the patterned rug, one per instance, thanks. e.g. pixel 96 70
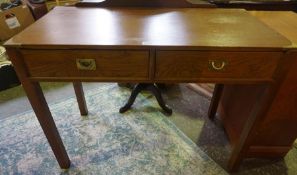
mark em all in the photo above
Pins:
pixel 141 141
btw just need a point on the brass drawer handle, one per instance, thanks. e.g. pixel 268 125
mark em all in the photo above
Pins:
pixel 86 64
pixel 217 65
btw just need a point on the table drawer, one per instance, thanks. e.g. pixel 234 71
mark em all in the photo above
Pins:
pixel 196 65
pixel 87 63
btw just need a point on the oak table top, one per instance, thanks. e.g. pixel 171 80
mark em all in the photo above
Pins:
pixel 69 27
pixel 284 22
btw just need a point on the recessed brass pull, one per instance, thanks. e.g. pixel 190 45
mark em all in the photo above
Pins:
pixel 86 64
pixel 217 65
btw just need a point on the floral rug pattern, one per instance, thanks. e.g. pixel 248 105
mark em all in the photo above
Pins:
pixel 141 141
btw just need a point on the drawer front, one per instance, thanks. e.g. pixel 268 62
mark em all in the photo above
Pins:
pixel 87 63
pixel 196 65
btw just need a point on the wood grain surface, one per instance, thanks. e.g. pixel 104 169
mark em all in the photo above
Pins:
pixel 145 3
pixel 72 27
pixel 284 22
pixel 109 63
pixel 192 65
